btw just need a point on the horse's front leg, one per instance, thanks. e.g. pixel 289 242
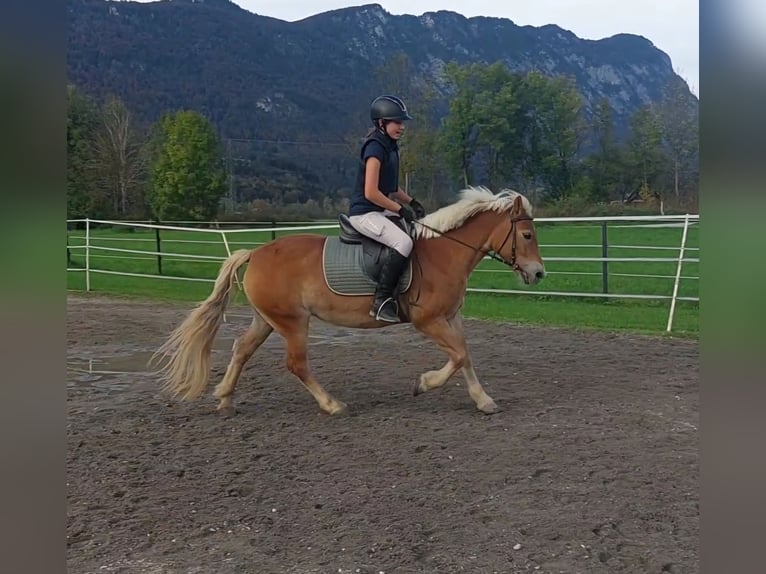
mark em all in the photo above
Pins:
pixel 448 334
pixel 444 333
pixel 434 379
pixel 483 401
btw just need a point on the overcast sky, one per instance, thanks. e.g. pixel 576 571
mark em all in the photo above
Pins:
pixel 671 25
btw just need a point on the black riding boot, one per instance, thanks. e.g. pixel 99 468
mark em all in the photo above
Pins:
pixel 385 307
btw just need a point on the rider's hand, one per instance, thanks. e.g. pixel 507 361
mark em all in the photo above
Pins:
pixel 407 213
pixel 420 211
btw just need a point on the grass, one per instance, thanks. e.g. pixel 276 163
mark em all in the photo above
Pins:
pixel 649 316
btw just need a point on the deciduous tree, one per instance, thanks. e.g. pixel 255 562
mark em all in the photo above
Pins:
pixel 118 161
pixel 188 176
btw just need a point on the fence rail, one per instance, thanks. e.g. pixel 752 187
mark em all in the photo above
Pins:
pixel 93 250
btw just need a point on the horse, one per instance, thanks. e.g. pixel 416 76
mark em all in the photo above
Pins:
pixel 286 285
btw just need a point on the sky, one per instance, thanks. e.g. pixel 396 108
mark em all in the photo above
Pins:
pixel 671 25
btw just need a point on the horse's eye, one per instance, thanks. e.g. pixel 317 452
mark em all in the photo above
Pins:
pixel 527 235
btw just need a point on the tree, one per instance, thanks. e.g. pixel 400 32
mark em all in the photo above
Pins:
pixel 419 165
pixel 396 76
pixel 188 176
pixel 118 160
pixel 458 139
pixel 420 159
pixel 679 115
pixel 605 165
pixel 82 121
pixel 496 114
pixel 552 131
pixel 520 129
pixel 645 148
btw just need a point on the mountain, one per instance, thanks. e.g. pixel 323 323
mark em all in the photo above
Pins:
pixel 257 77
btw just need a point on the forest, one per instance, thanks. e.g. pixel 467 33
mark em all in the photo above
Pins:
pixel 526 131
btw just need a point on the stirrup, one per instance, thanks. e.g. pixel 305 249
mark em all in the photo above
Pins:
pixel 385 302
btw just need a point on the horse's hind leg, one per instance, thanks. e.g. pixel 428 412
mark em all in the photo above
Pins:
pixel 448 334
pixel 295 332
pixel 244 347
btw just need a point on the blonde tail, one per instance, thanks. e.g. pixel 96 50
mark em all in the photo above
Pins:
pixel 187 349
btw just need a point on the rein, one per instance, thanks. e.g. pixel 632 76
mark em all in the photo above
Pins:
pixel 491 253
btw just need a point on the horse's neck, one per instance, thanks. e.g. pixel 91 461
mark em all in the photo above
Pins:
pixel 462 247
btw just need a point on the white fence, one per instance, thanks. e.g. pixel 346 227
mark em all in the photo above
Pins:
pixel 225 238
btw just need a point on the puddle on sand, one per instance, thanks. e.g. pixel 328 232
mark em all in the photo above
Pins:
pixel 336 337
pixel 109 371
pixel 103 371
pixel 136 363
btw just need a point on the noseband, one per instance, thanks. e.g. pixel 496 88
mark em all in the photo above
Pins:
pixel 511 231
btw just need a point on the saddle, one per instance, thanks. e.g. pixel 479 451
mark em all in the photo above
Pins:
pixel 352 261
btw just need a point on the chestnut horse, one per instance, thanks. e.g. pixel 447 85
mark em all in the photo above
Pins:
pixel 285 285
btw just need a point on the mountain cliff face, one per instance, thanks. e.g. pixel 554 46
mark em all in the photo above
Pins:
pixel 258 77
pixel 290 100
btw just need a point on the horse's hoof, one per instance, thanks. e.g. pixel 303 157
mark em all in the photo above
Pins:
pixel 416 388
pixel 227 412
pixel 489 408
pixel 338 410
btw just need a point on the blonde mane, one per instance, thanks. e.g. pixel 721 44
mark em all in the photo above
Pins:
pixel 472 200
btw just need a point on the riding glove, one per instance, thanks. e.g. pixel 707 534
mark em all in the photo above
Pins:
pixel 420 211
pixel 407 213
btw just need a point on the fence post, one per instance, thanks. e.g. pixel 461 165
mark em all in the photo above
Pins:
pixel 228 252
pixel 273 233
pixel 159 248
pixel 236 277
pixel 604 254
pixel 87 254
pixel 678 275
pixel 68 252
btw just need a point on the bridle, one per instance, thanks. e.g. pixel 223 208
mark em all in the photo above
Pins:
pixel 491 253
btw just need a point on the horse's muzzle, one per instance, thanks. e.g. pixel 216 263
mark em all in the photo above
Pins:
pixel 532 273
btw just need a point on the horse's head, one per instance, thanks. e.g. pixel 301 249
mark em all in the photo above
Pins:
pixel 497 224
pixel 515 241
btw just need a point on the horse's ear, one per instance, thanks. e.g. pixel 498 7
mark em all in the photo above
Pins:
pixel 518 207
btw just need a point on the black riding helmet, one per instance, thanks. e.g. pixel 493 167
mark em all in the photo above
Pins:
pixel 388 108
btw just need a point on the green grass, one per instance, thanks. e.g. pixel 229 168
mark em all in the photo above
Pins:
pixel 648 316
pixel 643 317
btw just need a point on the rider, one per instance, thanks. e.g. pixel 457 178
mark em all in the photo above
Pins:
pixel 377 182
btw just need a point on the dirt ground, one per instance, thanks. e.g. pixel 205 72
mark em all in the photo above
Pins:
pixel 592 466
